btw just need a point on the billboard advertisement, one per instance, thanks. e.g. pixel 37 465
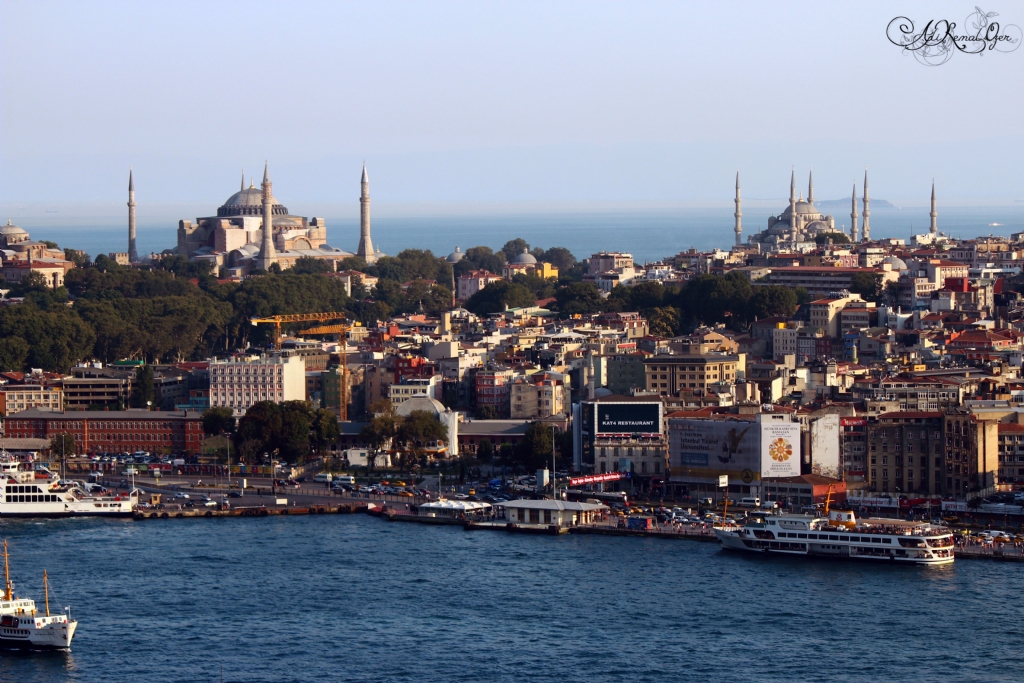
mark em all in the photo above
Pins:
pixel 625 419
pixel 707 448
pixel 597 478
pixel 825 447
pixel 780 447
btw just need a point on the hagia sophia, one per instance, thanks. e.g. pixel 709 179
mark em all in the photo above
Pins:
pixel 235 241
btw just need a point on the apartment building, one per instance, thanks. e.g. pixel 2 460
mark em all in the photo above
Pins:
pixel 537 396
pixel 670 375
pixel 241 381
pixel 906 453
pixel 972 453
pixel 18 397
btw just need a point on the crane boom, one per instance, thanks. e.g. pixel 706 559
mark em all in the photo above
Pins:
pixel 276 321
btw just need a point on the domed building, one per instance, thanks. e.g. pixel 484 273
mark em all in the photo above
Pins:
pixel 455 256
pixel 800 222
pixel 16 243
pixel 527 263
pixel 233 239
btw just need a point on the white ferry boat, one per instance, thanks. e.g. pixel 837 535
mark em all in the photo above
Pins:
pixel 29 492
pixel 22 628
pixel 840 535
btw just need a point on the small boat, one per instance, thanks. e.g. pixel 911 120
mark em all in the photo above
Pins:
pixel 23 628
pixel 995 225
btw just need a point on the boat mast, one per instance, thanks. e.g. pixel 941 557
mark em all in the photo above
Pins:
pixel 828 499
pixel 9 590
pixel 46 592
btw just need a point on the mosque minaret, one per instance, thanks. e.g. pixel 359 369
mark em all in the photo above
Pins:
pixel 933 226
pixel 853 215
pixel 133 254
pixel 365 250
pixel 867 209
pixel 739 213
pixel 267 255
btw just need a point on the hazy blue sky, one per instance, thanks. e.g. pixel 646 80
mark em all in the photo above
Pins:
pixel 517 103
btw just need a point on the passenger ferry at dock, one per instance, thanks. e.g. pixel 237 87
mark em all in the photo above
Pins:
pixel 23 628
pixel 840 534
pixel 29 492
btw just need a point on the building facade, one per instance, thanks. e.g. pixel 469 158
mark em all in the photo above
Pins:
pixel 238 383
pixel 115 431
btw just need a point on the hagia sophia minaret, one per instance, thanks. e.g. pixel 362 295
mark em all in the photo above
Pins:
pixel 810 187
pixel 867 209
pixel 365 250
pixel 853 215
pixel 267 255
pixel 739 213
pixel 933 226
pixel 133 254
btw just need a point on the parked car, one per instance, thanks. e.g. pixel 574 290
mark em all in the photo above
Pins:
pixel 181 495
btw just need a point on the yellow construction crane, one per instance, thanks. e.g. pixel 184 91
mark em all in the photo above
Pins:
pixel 276 320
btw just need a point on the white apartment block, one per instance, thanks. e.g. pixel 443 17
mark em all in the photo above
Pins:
pixel 415 387
pixel 238 383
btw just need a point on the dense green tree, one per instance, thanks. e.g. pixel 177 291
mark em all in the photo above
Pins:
pixel 308 264
pixel 485 452
pixel 143 388
pixel 419 429
pixel 325 430
pixel 499 296
pixel 218 420
pixel 57 339
pixel 771 300
pixel 62 444
pixel 513 248
pixel 486 413
pixel 559 257
pixel 664 321
pixel 78 257
pixel 13 354
pixel 833 237
pixel 534 451
pixel 579 298
pixel 868 284
pixel 382 427
pixel 480 258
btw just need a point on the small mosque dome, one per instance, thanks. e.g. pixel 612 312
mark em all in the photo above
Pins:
pixel 895 263
pixel 455 256
pixel 526 258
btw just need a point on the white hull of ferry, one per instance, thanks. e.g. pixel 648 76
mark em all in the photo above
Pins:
pixel 837 546
pixel 50 635
pixel 86 507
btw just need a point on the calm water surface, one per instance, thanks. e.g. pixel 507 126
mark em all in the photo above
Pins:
pixel 353 598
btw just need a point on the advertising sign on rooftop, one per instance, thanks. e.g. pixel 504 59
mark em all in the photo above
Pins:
pixel 623 419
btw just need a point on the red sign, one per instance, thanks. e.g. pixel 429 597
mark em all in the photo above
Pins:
pixel 596 478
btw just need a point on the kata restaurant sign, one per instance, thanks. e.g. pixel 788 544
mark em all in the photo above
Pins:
pixel 628 418
pixel 780 449
pixel 597 478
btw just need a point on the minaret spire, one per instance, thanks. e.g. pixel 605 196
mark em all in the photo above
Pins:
pixel 810 187
pixel 243 179
pixel 267 256
pixel 867 208
pixel 133 254
pixel 792 186
pixel 365 250
pixel 739 213
pixel 933 226
pixel 792 207
pixel 853 215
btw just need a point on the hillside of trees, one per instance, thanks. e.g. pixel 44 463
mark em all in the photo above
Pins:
pixel 176 311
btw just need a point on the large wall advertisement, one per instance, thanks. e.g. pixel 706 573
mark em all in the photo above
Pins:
pixel 825 460
pixel 780 448
pixel 705 449
pixel 623 419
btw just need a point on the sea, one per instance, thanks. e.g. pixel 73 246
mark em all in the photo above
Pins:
pixel 648 234
pixel 354 598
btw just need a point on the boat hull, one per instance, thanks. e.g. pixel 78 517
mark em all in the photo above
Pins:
pixel 731 540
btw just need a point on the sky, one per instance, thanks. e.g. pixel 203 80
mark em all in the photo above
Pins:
pixel 498 104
